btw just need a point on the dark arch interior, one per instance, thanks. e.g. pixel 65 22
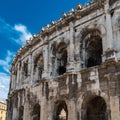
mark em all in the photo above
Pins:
pixel 62 58
pixel 25 68
pixel 61 111
pixel 59 59
pixel 93 49
pixel 63 63
pixel 95 109
pixel 36 112
pixel 39 65
pixel 21 111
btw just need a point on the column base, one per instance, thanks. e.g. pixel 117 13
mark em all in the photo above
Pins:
pixel 45 74
pixel 110 55
pixel 70 66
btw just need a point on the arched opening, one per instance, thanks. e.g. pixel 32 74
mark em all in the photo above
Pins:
pixel 94 109
pixel 25 69
pixel 36 112
pixel 59 59
pixel 61 111
pixel 62 62
pixel 92 48
pixel 38 65
pixel 21 112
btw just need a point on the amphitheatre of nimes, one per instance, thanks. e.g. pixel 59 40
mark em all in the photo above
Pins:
pixel 71 69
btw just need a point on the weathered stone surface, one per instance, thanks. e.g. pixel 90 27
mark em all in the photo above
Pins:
pixel 71 70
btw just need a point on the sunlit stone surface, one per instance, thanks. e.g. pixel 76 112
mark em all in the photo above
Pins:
pixel 71 70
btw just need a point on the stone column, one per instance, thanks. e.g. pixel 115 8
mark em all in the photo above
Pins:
pixel 114 106
pixel 26 115
pixel 49 61
pixel 30 64
pixel 15 114
pixel 50 111
pixel 78 61
pixel 71 48
pixel 110 52
pixel 20 77
pixel 55 67
pixel 45 55
pixel 30 68
pixel 12 79
pixel 108 25
pixel 15 109
pixel 43 115
pixel 18 74
pixel 72 115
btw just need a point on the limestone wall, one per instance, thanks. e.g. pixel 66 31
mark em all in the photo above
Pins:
pixel 71 66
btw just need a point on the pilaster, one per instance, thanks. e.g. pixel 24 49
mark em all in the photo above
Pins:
pixel 114 106
pixel 70 66
pixel 43 115
pixel 110 53
pixel 45 55
pixel 15 114
pixel 72 110
pixel 30 69
pixel 18 73
pixel 26 115
pixel 108 25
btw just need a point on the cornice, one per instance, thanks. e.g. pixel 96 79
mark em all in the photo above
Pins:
pixel 72 15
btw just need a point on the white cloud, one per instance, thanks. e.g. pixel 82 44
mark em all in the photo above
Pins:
pixel 25 34
pixel 4 76
pixel 5 63
pixel 19 32
pixel 4 85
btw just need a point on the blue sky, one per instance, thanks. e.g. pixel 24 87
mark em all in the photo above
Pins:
pixel 19 19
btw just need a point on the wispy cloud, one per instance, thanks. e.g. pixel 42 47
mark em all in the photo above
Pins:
pixel 4 85
pixel 18 32
pixel 4 76
pixel 5 63
pixel 25 34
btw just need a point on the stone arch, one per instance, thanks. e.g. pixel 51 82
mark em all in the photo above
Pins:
pixel 94 108
pixel 21 112
pixel 25 68
pixel 59 58
pixel 38 65
pixel 36 112
pixel 86 98
pixel 62 58
pixel 60 110
pixel 91 49
pixel 112 2
pixel 53 48
pixel 62 40
pixel 102 29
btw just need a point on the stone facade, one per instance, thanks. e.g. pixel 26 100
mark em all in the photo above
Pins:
pixel 71 70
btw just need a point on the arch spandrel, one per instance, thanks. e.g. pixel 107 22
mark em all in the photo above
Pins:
pixel 91 27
